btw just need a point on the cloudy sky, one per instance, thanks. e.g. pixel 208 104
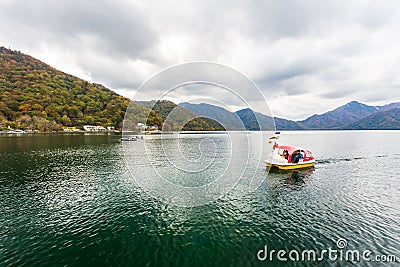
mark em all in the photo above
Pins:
pixel 306 56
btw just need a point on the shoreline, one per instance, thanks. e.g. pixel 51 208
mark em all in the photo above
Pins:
pixel 188 132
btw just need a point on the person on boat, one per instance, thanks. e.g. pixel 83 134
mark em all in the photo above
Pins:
pixel 296 156
pixel 285 154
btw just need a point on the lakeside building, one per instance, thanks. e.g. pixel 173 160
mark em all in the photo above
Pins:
pixel 143 127
pixel 92 128
pixel 71 129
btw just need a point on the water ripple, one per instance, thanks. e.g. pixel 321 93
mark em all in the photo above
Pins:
pixel 76 204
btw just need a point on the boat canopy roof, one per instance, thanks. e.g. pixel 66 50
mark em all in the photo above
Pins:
pixel 290 149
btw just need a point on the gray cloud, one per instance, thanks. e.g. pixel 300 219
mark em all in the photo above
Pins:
pixel 306 56
pixel 110 27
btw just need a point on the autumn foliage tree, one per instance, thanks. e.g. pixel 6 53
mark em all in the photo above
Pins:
pixel 31 87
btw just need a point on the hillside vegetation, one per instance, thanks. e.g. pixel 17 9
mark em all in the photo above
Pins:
pixel 32 92
pixel 34 95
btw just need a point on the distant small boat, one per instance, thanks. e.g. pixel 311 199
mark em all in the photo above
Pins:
pixel 132 138
pixel 288 157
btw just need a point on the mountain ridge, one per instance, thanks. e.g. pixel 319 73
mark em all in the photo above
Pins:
pixel 219 114
pixel 387 119
pixel 342 117
pixel 339 117
pixel 175 117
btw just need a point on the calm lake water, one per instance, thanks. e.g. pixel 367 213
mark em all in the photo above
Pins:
pixel 73 200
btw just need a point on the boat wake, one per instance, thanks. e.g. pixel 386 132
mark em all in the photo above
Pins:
pixel 336 160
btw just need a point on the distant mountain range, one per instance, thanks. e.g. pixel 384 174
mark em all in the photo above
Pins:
pixel 353 115
pixel 383 120
pixel 175 117
pixel 229 119
pixel 339 117
pixel 36 96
